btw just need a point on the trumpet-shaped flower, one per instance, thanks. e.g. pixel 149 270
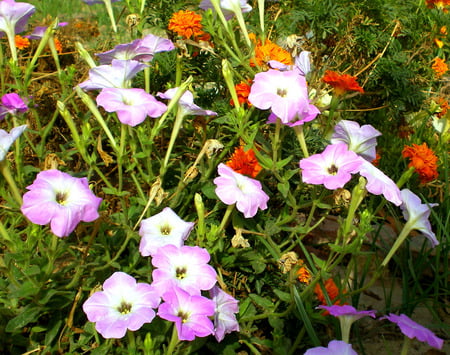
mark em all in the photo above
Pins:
pixel 14 16
pixel 189 312
pixel 61 200
pixel 302 64
pixel 13 104
pixel 414 330
pixel 361 140
pixel 123 304
pixel 378 183
pixel 186 103
pixel 185 267
pixel 131 105
pixel 224 316
pixel 141 50
pixel 116 75
pixel 228 7
pixel 332 168
pixel 162 229
pixel 335 347
pixel 285 93
pixel 7 139
pixel 245 192
pixel 416 214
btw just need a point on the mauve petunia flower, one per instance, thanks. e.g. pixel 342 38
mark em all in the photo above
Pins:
pixel 332 168
pixel 93 2
pixel 123 304
pixel 417 214
pixel 414 330
pixel 335 347
pixel 189 312
pixel 302 64
pixel 61 200
pixel 39 31
pixel 14 16
pixel 131 105
pixel 361 140
pixel 378 183
pixel 186 103
pixel 228 7
pixel 245 192
pixel 285 93
pixel 161 229
pixel 225 314
pixel 142 50
pixel 116 75
pixel 7 139
pixel 185 267
pixel 13 104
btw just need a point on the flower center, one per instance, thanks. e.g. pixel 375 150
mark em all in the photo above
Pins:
pixel 124 308
pixel 183 315
pixel 165 230
pixel 181 273
pixel 332 170
pixel 61 197
pixel 281 92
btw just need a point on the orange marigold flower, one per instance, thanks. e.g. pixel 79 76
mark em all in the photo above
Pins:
pixel 341 82
pixel 58 45
pixel 187 24
pixel 331 289
pixel 376 161
pixel 443 103
pixel 423 160
pixel 242 91
pixel 443 30
pixel 244 162
pixel 21 42
pixel 268 51
pixel 438 42
pixel 440 4
pixel 439 66
pixel 303 275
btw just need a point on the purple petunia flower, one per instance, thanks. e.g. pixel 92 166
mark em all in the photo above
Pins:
pixel 332 168
pixel 361 140
pixel 92 2
pixel 39 31
pixel 123 304
pixel 302 64
pixel 414 330
pixel 417 214
pixel 379 183
pixel 116 75
pixel 228 7
pixel 61 200
pixel 14 16
pixel 131 105
pixel 12 103
pixel 189 312
pixel 335 347
pixel 162 229
pixel 7 139
pixel 285 93
pixel 245 192
pixel 141 50
pixel 185 267
pixel 186 103
pixel 224 316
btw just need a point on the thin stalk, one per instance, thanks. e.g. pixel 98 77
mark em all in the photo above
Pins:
pixel 6 172
pixel 173 341
pixel 301 139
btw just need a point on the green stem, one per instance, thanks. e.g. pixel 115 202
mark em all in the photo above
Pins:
pixel 6 172
pixel 110 12
pixel 407 228
pixel 276 140
pixel 225 218
pixel 301 139
pixel 173 341
pixel 406 346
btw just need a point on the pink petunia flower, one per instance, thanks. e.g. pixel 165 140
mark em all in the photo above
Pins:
pixel 123 304
pixel 332 168
pixel 185 267
pixel 131 105
pixel 335 347
pixel 285 93
pixel 224 316
pixel 189 312
pixel 414 330
pixel 245 192
pixel 13 104
pixel 186 103
pixel 162 229
pixel 61 200
pixel 7 139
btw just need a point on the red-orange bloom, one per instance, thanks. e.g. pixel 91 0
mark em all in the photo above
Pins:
pixel 303 275
pixel 423 160
pixel 268 51
pixel 58 45
pixel 244 162
pixel 341 82
pixel 443 103
pixel 440 4
pixel 21 42
pixel 332 291
pixel 187 24
pixel 439 66
pixel 242 91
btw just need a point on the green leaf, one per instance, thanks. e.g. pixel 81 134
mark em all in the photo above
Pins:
pixel 28 315
pixel 262 302
pixel 284 296
pixel 284 187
